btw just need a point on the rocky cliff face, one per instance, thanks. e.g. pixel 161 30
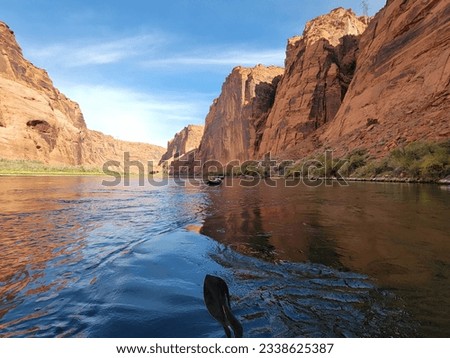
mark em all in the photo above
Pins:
pixel 236 119
pixel 401 89
pixel 183 142
pixel 320 65
pixel 98 148
pixel 37 122
pixel 347 85
pixel 182 151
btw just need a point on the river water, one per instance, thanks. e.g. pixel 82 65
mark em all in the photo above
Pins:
pixel 80 259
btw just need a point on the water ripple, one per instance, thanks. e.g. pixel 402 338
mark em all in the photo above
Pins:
pixel 310 300
pixel 80 260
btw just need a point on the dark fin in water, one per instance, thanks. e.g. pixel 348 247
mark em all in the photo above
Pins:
pixel 217 301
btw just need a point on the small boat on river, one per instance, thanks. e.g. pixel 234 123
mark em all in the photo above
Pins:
pixel 214 182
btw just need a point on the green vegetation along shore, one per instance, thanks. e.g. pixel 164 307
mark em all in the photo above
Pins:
pixel 32 167
pixel 414 162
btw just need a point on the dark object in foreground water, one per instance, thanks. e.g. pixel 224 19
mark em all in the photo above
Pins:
pixel 217 300
pixel 214 182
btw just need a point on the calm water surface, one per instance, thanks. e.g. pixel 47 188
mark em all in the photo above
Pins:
pixel 78 259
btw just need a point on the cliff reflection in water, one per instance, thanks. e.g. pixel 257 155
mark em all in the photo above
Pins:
pixel 37 233
pixel 380 231
pixel 256 221
pixel 397 234
pixel 79 259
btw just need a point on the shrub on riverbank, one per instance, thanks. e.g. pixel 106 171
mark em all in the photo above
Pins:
pixel 35 167
pixel 416 160
pixel 419 160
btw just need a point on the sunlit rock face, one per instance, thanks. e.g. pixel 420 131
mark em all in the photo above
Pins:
pixel 237 118
pixel 183 142
pixel 320 65
pixel 349 83
pixel 38 122
pixel 400 92
pixel 182 150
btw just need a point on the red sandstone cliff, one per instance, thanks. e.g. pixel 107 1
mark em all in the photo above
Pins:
pixel 37 122
pixel 344 88
pixel 401 89
pixel 183 142
pixel 182 150
pixel 319 68
pixel 236 119
pixel 347 84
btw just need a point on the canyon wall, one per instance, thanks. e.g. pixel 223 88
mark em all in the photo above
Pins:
pixel 37 122
pixel 401 89
pixel 185 141
pixel 319 65
pixel 236 120
pixel 182 150
pixel 349 83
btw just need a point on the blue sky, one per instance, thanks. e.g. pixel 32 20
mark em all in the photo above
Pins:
pixel 142 70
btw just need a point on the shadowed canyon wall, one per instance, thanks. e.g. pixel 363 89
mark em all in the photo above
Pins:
pixel 237 118
pixel 183 142
pixel 182 147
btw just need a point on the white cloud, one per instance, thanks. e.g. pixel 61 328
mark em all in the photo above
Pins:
pixel 221 57
pixel 130 115
pixel 95 52
pixel 152 51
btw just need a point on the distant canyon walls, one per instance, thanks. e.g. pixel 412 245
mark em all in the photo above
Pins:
pixel 183 142
pixel 349 83
pixel 37 122
pixel 182 147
